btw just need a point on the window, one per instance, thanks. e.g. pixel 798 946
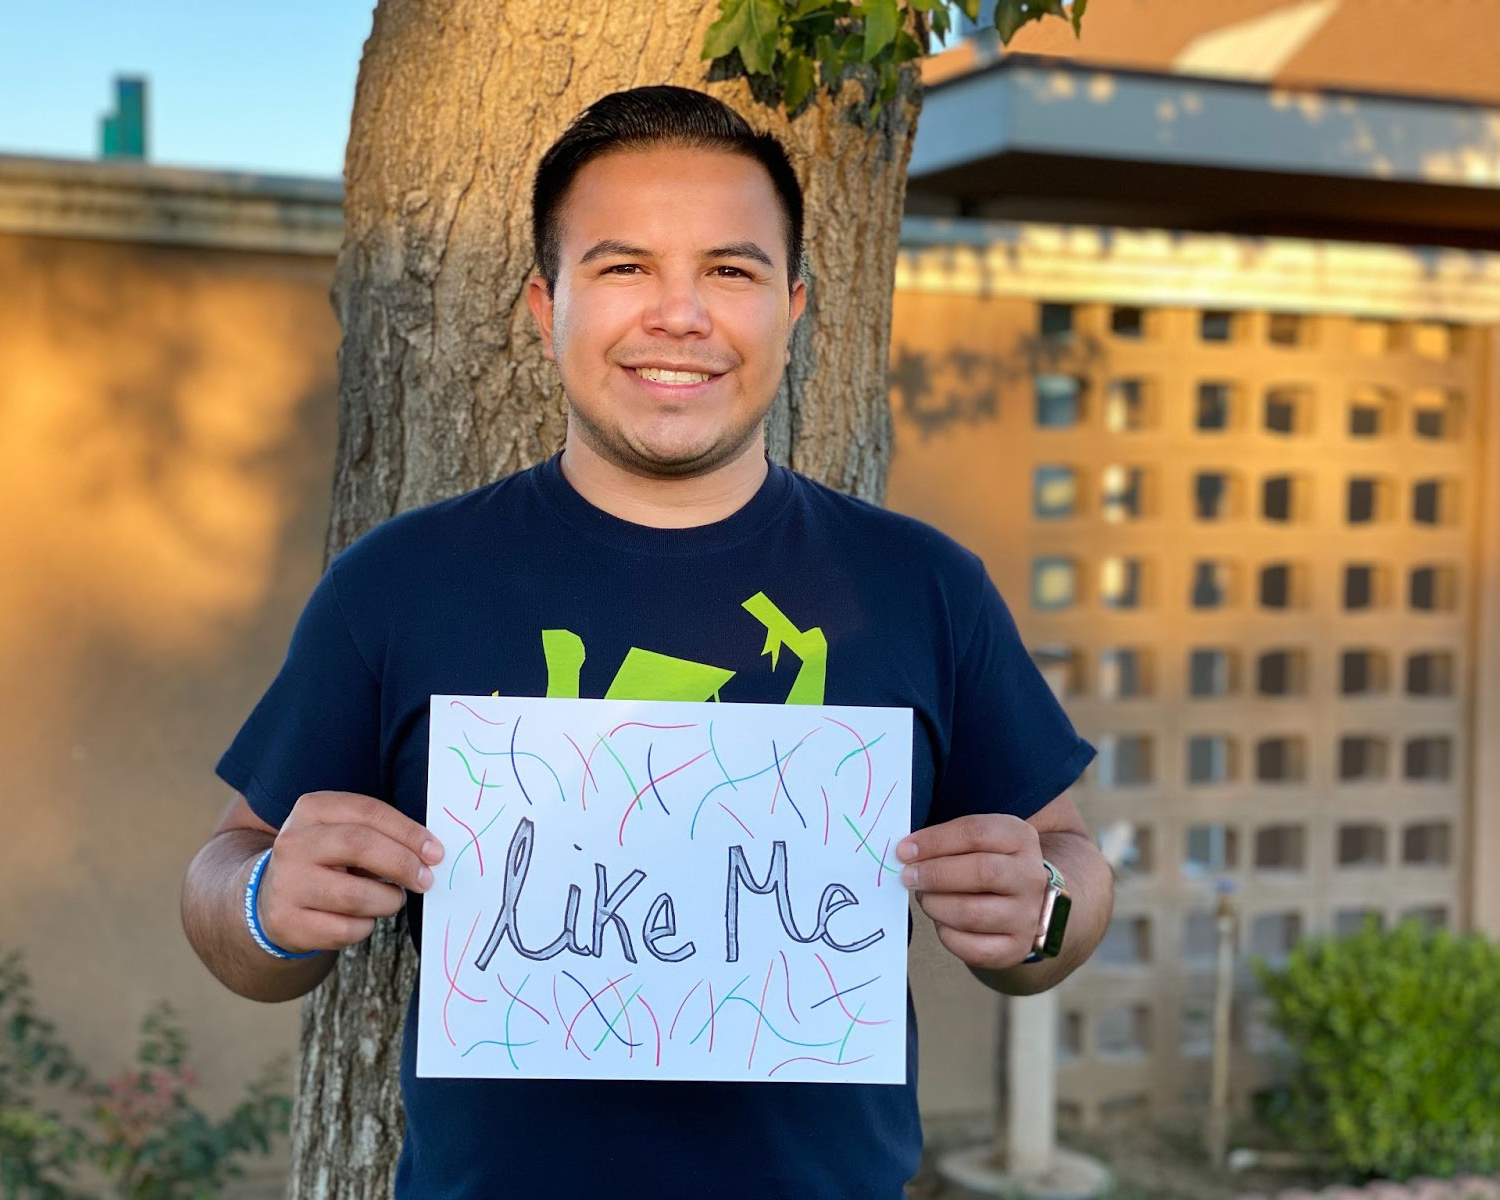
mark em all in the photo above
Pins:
pixel 1282 585
pixel 1427 843
pixel 1281 673
pixel 1361 845
pixel 1200 937
pixel 1054 583
pixel 1214 495
pixel 1125 760
pixel 1059 401
pixel 1124 493
pixel 1372 335
pixel 1126 408
pixel 1215 407
pixel 1288 329
pixel 1437 340
pixel 1436 414
pixel 1069 1035
pixel 1126 943
pixel 1128 323
pixel 1125 673
pixel 1280 848
pixel 1368 500
pixel 1428 759
pixel 1433 589
pixel 1210 758
pixel 1280 760
pixel 1372 411
pixel 1363 672
pixel 1366 585
pixel 1123 1030
pixel 1288 410
pixel 1209 849
pixel 1122 582
pixel 1434 502
pixel 1349 921
pixel 1284 498
pixel 1055 322
pixel 1210 672
pixel 1212 584
pixel 1430 673
pixel 1054 492
pixel 1273 934
pixel 1217 325
pixel 1430 917
pixel 1362 758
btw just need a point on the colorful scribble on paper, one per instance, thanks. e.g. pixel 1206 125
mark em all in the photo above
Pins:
pixel 665 890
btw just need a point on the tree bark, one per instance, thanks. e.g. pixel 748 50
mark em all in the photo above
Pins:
pixel 443 386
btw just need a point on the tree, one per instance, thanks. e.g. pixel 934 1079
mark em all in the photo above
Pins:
pixel 442 383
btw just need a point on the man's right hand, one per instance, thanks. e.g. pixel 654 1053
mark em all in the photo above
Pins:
pixel 340 861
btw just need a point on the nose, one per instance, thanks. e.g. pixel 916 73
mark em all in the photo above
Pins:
pixel 680 308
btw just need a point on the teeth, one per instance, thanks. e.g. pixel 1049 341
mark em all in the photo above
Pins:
pixel 655 375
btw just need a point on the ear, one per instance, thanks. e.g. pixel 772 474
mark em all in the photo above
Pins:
pixel 539 300
pixel 799 301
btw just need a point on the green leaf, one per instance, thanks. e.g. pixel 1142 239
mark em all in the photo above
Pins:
pixel 749 26
pixel 809 6
pixel 1010 15
pixel 798 74
pixel 970 8
pixel 1076 14
pixel 882 20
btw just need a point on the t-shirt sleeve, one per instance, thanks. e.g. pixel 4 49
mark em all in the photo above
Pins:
pixel 1013 749
pixel 318 725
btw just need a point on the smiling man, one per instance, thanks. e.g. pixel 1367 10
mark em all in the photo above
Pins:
pixel 660 555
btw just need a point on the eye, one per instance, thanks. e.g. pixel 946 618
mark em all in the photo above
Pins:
pixel 622 269
pixel 728 272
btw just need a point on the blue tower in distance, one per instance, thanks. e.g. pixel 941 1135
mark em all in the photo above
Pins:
pixel 122 133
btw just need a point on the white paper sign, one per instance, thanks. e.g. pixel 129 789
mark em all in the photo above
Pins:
pixel 662 890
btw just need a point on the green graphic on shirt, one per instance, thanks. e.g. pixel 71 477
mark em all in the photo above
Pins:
pixel 648 675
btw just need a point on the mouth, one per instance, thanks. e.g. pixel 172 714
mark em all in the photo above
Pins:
pixel 672 378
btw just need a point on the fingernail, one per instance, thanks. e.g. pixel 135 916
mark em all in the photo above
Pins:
pixel 424 879
pixel 432 850
pixel 909 877
pixel 906 850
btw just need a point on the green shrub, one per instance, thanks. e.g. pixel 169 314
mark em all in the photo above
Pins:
pixel 139 1128
pixel 1395 1042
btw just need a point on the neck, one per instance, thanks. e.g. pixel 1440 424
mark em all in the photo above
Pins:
pixel 664 502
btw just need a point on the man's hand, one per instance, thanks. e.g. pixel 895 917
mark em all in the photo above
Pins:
pixel 339 862
pixel 981 880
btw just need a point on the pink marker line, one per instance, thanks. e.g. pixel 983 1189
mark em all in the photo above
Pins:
pixel 786 972
pixel 673 1030
pixel 479 799
pixel 848 1062
pixel 654 1025
pixel 519 1001
pixel 878 814
pixel 473 837
pixel 750 1062
pixel 839 997
pixel 625 1008
pixel 646 725
pixel 825 813
pixel 453 982
pixel 561 1019
pixel 588 773
pixel 472 713
pixel 737 821
pixel 880 870
pixel 636 799
pixel 712 1011
pixel 869 766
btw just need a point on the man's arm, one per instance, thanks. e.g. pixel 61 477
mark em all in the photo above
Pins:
pixel 981 880
pixel 339 862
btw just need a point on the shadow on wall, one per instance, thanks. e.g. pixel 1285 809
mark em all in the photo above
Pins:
pixel 169 419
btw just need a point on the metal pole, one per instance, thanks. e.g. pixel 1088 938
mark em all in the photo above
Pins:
pixel 1216 1135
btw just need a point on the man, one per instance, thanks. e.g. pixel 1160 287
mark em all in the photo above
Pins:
pixel 669 243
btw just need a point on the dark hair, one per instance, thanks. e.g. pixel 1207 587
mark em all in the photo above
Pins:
pixel 642 118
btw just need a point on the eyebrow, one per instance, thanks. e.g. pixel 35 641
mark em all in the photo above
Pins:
pixel 734 250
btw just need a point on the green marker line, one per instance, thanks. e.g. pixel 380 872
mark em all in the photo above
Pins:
pixel 850 1030
pixel 466 845
pixel 508 1011
pixel 865 846
pixel 719 760
pixel 633 789
pixel 852 753
pixel 470 770
pixel 609 1026
pixel 715 1012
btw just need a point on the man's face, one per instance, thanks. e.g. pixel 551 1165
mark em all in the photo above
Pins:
pixel 671 314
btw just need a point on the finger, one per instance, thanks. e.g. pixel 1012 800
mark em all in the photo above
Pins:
pixel 996 833
pixel 369 850
pixel 350 808
pixel 988 951
pixel 324 931
pixel 996 874
pixel 346 895
pixel 979 914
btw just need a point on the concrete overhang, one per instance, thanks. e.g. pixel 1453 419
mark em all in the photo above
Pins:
pixel 145 203
pixel 1062 141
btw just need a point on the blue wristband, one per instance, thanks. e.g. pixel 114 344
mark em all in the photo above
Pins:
pixel 252 915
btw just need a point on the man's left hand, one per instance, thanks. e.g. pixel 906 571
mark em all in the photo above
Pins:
pixel 981 880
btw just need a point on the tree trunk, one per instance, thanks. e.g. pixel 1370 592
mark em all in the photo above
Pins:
pixel 443 386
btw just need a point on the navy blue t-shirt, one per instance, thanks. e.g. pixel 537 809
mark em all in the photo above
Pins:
pixel 453 599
